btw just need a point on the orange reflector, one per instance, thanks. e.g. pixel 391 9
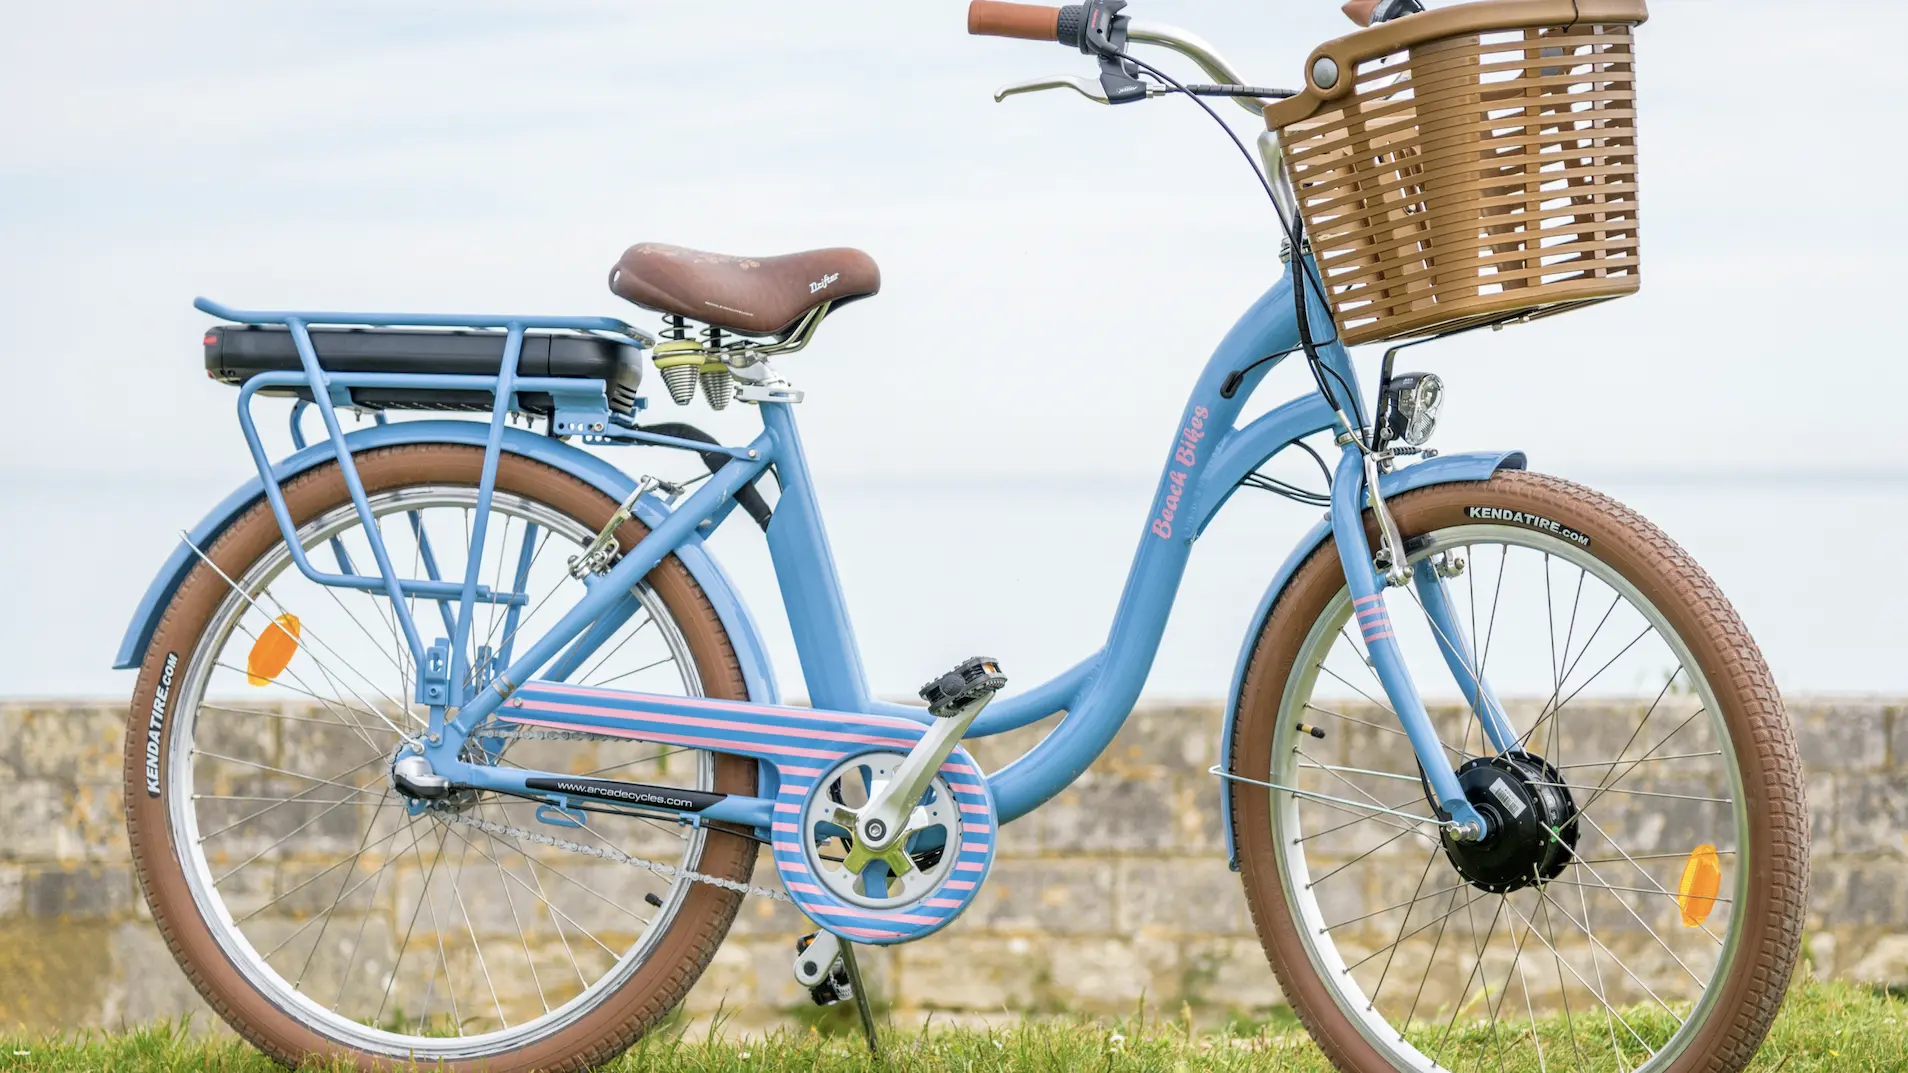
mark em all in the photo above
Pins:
pixel 1702 878
pixel 273 651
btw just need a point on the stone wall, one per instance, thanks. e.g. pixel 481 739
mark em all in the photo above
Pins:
pixel 1116 891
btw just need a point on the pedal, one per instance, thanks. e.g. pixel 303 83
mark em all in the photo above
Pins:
pixel 963 686
pixel 819 967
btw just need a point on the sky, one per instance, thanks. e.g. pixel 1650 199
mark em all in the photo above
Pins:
pixel 1055 273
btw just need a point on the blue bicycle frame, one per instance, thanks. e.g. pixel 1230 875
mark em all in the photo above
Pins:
pixel 1209 457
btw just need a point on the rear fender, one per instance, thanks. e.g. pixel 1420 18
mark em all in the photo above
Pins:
pixel 1447 469
pixel 609 480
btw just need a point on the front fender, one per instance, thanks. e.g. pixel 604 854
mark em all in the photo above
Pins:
pixel 612 482
pixel 1446 469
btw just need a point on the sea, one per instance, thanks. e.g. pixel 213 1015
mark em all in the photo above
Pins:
pixel 1029 571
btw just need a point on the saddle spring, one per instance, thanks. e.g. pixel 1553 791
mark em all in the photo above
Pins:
pixel 718 384
pixel 684 362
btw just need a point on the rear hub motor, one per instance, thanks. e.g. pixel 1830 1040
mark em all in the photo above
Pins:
pixel 1532 818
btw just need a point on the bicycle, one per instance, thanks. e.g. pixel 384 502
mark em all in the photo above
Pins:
pixel 518 845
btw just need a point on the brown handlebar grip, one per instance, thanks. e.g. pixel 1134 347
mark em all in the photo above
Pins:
pixel 1031 22
pixel 1360 11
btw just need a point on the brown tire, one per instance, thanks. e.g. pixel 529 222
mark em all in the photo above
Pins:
pixel 617 1018
pixel 1742 992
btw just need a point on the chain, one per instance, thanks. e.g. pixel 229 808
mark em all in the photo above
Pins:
pixel 667 871
pixel 496 730
pixel 609 853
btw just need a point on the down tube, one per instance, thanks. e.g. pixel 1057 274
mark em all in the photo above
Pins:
pixel 1160 562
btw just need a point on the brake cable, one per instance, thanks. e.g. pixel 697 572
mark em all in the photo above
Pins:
pixel 1294 229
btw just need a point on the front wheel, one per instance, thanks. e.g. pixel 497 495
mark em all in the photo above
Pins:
pixel 1649 915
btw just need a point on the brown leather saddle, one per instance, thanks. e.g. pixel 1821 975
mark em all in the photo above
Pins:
pixel 757 296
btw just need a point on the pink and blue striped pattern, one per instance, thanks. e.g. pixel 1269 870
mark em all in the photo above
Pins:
pixel 1373 621
pixel 798 745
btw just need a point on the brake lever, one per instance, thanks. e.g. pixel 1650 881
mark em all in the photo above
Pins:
pixel 1085 87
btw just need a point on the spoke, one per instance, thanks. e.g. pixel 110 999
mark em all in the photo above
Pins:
pixel 1451 909
pixel 334 866
pixel 1605 786
pixel 1620 963
pixel 216 880
pixel 1362 817
pixel 1530 1009
pixel 542 542
pixel 639 670
pixel 504 883
pixel 631 763
pixel 1563 989
pixel 330 705
pixel 1640 870
pixel 1353 646
pixel 471 929
pixel 376 642
pixel 1436 942
pixel 315 639
pixel 1597 992
pixel 555 913
pixel 336 898
pixel 1644 760
pixel 1373 701
pixel 1309 707
pixel 535 886
pixel 1642 793
pixel 1559 706
pixel 1490 626
pixel 297 797
pixel 1337 770
pixel 1415 899
pixel 1417 896
pixel 357 944
pixel 1314 883
pixel 1645 857
pixel 300 930
pixel 298 684
pixel 1477 969
pixel 1596 963
pixel 260 713
pixel 584 678
pixel 580 885
pixel 437 930
pixel 282 771
pixel 1657 892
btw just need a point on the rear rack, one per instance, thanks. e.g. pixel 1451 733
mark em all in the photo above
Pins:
pixel 578 406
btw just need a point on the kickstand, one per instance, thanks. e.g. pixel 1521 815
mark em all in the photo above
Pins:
pixel 861 995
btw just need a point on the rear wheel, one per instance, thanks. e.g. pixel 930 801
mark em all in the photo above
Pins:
pixel 1649 918
pixel 306 903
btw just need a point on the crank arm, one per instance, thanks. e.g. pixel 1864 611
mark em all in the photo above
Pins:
pixel 955 698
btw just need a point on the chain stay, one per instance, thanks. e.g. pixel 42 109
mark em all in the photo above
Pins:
pixel 607 853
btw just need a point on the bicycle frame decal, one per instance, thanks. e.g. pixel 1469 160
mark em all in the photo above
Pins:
pixel 1209 455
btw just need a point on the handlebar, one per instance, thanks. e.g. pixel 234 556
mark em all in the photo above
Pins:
pixel 1028 22
pixel 1092 28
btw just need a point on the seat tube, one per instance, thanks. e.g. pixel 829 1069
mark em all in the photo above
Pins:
pixel 1381 643
pixel 805 570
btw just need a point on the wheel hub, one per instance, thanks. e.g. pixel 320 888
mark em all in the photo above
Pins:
pixel 1532 818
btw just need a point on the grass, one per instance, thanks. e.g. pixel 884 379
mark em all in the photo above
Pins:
pixel 1832 1026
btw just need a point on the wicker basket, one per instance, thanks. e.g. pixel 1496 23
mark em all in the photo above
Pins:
pixel 1469 164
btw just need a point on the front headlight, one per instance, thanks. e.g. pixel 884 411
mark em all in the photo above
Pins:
pixel 1412 402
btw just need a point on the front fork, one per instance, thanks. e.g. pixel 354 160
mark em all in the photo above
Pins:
pixel 1367 582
